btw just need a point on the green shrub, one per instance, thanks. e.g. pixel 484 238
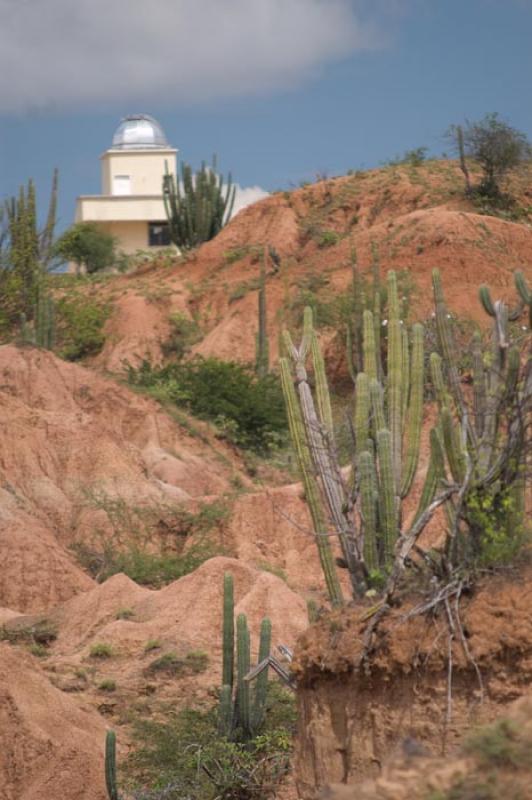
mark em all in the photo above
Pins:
pixel 101 650
pixel 79 326
pixel 86 244
pixel 197 660
pixel 125 613
pixel 328 239
pixel 152 644
pixel 169 663
pixel 107 685
pixel 154 569
pixel 39 650
pixel 248 410
pixel 184 333
pixel 186 754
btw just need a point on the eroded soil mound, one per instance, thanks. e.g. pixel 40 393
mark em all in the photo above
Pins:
pixel 51 744
pixel 113 652
pixel 78 454
pixel 416 680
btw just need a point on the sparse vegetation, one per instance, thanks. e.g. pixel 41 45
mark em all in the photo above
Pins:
pixel 107 685
pixel 184 333
pixel 101 650
pixel 125 613
pixel 79 326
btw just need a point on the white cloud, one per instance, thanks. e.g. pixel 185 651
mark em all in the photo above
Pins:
pixel 57 54
pixel 246 196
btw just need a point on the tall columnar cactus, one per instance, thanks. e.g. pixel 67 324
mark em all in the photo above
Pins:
pixel 364 298
pixel 525 293
pixel 44 320
pixel 387 432
pixel 262 347
pixel 484 439
pixel 197 205
pixel 241 709
pixel 110 765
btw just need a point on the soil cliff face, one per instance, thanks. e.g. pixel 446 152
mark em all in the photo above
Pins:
pixel 354 717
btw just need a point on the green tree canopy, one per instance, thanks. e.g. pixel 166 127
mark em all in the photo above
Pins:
pixel 86 244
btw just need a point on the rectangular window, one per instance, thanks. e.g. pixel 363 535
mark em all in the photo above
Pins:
pixel 158 234
pixel 121 184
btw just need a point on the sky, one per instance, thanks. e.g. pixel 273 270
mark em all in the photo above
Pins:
pixel 280 90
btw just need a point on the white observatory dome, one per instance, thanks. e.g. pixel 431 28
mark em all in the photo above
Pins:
pixel 139 132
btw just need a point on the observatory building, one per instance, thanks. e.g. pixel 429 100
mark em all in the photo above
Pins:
pixel 131 204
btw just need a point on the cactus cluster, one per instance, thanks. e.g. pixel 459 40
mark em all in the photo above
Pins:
pixel 364 298
pixel 482 438
pixel 469 452
pixel 241 710
pixel 197 205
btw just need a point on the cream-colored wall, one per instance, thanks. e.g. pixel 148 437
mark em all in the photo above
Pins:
pixel 131 236
pixel 127 208
pixel 145 167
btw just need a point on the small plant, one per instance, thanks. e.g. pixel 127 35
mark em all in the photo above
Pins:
pixel 152 644
pixel 39 650
pixel 501 744
pixel 79 326
pixel 197 661
pixel 107 685
pixel 101 650
pixel 184 333
pixel 125 613
pixel 235 254
pixel 328 239
pixel 169 663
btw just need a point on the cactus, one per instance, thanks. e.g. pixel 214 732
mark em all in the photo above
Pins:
pixel 387 421
pixel 44 320
pixel 110 765
pixel 484 458
pixel 228 631
pixel 524 292
pixel 198 205
pixel 243 714
pixel 310 484
pixel 262 347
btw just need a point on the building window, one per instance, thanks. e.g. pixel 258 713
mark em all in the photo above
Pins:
pixel 158 234
pixel 121 184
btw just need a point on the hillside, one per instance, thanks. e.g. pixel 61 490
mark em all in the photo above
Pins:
pixel 416 217
pixel 120 512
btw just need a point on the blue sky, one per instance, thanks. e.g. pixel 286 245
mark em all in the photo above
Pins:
pixel 279 89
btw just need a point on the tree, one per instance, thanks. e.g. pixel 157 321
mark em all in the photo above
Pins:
pixel 198 205
pixel 495 145
pixel 86 244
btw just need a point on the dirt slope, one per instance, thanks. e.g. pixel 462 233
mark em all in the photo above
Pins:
pixel 353 718
pixel 54 711
pixel 418 219
pixel 75 451
pixel 51 744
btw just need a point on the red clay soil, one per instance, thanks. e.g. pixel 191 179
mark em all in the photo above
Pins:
pixel 417 217
pixel 471 775
pixel 76 451
pixel 51 744
pixel 352 718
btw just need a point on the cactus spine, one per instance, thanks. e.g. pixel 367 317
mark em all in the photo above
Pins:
pixel 110 765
